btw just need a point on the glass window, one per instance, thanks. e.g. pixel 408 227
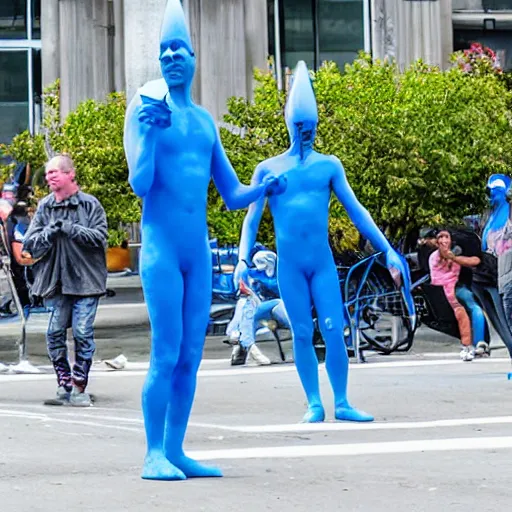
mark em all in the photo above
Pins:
pixel 298 42
pixel 481 5
pixel 37 92
pixel 340 30
pixel 497 5
pixel 13 19
pixel 36 19
pixel 13 94
pixel 271 27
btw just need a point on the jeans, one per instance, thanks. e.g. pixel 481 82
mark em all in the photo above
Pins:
pixel 493 305
pixel 252 316
pixel 467 299
pixel 78 313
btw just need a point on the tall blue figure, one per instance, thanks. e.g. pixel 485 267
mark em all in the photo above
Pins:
pixel 496 240
pixel 306 270
pixel 173 150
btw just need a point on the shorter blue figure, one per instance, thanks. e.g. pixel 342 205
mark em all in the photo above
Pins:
pixel 307 273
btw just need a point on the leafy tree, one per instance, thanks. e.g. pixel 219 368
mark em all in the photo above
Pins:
pixel 417 146
pixel 93 135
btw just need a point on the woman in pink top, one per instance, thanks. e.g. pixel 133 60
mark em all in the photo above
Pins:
pixel 445 272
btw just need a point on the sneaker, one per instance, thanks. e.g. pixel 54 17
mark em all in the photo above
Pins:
pixel 482 349
pixel 63 394
pixel 61 397
pixel 467 354
pixel 238 355
pixel 256 355
pixel 79 398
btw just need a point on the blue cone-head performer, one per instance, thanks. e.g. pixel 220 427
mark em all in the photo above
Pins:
pixel 173 151
pixel 307 273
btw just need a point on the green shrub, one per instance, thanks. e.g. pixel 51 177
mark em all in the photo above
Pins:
pixel 417 146
pixel 93 135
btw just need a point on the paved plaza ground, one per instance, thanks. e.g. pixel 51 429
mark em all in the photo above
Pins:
pixel 442 441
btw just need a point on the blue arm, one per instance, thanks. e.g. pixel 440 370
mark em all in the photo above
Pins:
pixel 251 222
pixel 139 146
pixel 356 211
pixel 235 194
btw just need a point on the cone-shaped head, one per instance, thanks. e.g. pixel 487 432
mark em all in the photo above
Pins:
pixel 301 114
pixel 497 187
pixel 177 59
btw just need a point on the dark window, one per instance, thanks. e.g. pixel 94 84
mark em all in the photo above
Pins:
pixel 13 94
pixel 340 30
pixel 497 5
pixel 298 41
pixel 36 19
pixel 13 19
pixel 318 30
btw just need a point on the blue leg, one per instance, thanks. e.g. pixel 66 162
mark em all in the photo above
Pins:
pixel 294 289
pixel 165 312
pixel 500 319
pixel 507 306
pixel 466 297
pixel 280 315
pixel 329 306
pixel 196 311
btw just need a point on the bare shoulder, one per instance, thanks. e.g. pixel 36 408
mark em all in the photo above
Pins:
pixel 204 115
pixel 333 165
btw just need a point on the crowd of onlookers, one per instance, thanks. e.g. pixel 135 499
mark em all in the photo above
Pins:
pixel 15 215
pixel 475 273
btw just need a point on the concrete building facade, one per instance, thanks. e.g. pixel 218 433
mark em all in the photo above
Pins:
pixel 99 46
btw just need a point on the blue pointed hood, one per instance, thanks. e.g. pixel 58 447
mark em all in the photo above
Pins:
pixel 174 26
pixel 301 105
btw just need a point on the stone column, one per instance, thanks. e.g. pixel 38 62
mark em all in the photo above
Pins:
pixel 407 30
pixel 118 21
pixel 50 41
pixel 223 57
pixel 256 39
pixel 142 21
pixel 85 63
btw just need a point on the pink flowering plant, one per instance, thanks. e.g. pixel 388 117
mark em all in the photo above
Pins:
pixel 478 60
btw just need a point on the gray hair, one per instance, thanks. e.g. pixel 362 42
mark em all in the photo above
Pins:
pixel 63 162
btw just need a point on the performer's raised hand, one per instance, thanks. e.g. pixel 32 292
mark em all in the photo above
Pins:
pixel 155 112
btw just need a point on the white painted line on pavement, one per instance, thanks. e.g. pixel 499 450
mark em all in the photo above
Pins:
pixel 336 450
pixel 95 413
pixel 352 426
pixel 228 372
pixel 123 305
pixel 44 418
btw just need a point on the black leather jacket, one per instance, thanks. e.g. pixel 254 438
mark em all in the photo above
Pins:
pixel 69 240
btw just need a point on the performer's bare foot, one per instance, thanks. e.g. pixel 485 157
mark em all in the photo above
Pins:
pixel 346 412
pixel 193 469
pixel 157 467
pixel 314 414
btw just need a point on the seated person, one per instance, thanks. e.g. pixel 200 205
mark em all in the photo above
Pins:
pixel 445 273
pixel 258 302
pixel 456 281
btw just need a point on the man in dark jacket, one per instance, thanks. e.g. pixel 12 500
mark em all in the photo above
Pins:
pixel 68 238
